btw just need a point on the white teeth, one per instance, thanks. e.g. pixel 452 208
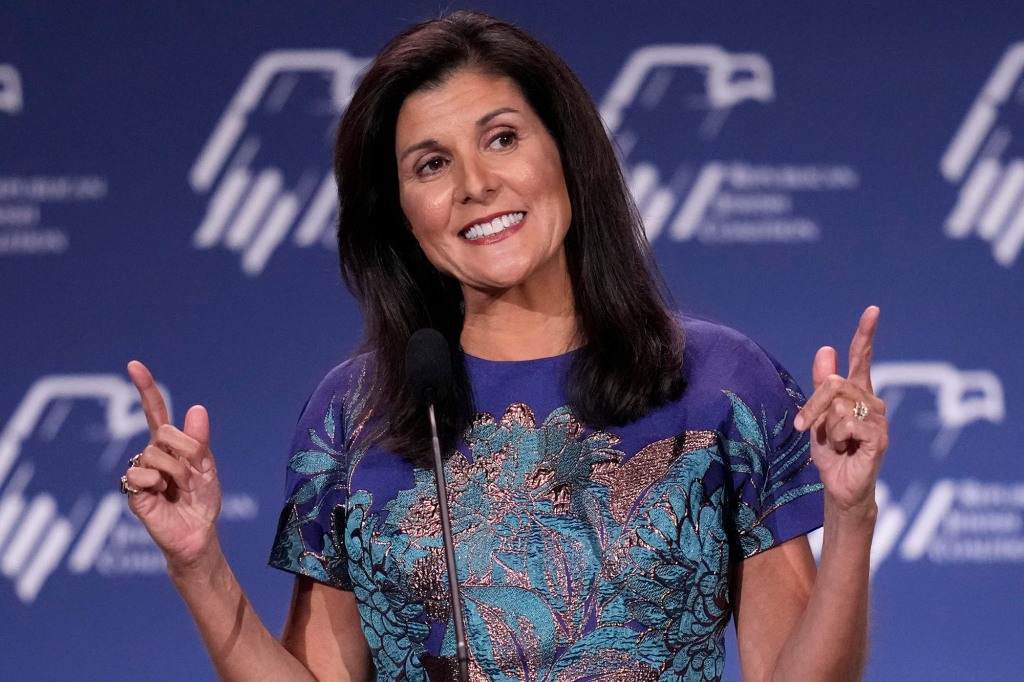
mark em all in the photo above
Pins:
pixel 494 226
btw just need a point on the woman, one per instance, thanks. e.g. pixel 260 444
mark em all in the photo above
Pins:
pixel 615 499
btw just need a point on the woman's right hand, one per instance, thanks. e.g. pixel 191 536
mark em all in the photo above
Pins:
pixel 178 494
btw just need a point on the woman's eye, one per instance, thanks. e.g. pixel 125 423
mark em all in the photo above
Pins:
pixel 504 140
pixel 431 165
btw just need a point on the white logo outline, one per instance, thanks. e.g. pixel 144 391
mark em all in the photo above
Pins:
pixel 12 98
pixel 34 536
pixel 251 210
pixel 962 396
pixel 658 204
pixel 991 198
pixel 718 201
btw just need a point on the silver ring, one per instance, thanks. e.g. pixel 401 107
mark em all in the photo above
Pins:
pixel 127 489
pixel 860 410
pixel 134 461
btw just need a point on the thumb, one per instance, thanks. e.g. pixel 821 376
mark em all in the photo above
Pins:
pixel 197 424
pixel 826 363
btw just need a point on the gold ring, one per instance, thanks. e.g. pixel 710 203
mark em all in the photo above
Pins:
pixel 127 489
pixel 134 461
pixel 860 410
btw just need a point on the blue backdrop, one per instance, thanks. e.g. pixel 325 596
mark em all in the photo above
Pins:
pixel 165 195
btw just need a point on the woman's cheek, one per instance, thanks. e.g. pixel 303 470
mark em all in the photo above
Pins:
pixel 426 212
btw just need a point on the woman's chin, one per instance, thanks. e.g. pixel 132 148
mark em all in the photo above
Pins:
pixel 498 280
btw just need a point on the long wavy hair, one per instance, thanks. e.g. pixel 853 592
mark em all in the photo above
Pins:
pixel 630 359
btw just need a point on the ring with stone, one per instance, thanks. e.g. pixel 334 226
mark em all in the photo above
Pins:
pixel 127 489
pixel 860 410
pixel 134 461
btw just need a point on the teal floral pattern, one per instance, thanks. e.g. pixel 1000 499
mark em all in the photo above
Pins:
pixel 579 558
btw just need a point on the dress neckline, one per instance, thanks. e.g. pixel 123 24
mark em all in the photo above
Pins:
pixel 475 360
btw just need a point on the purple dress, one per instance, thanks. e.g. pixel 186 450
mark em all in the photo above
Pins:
pixel 582 554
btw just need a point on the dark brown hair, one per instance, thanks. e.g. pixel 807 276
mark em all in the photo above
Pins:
pixel 631 359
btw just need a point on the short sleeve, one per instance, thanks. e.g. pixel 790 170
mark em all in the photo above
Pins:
pixel 776 492
pixel 310 531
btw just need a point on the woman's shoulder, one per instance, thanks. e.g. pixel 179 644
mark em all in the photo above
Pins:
pixel 706 331
pixel 705 338
pixel 719 357
pixel 344 383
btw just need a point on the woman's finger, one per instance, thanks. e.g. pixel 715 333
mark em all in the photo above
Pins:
pixel 861 348
pixel 176 442
pixel 825 391
pixel 826 363
pixel 197 427
pixel 832 389
pixel 197 424
pixel 844 432
pixel 146 480
pixel 153 403
pixel 848 436
pixel 176 469
pixel 843 435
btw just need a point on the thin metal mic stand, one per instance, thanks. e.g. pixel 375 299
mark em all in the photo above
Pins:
pixel 461 650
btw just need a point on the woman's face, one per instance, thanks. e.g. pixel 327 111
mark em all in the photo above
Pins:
pixel 481 184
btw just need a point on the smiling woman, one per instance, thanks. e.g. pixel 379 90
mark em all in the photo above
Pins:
pixel 460 121
pixel 477 168
pixel 615 499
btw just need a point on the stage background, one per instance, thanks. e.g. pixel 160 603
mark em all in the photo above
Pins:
pixel 796 161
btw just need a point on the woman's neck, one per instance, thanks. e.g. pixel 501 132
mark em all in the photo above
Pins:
pixel 515 325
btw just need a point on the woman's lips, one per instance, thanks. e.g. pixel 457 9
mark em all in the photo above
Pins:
pixel 494 227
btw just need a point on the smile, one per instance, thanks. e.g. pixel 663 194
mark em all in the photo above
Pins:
pixel 492 227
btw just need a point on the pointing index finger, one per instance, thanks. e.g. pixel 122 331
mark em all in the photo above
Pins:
pixel 152 400
pixel 861 348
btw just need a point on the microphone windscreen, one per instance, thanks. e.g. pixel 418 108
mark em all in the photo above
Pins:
pixel 428 366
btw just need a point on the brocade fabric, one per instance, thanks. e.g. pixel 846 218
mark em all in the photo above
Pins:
pixel 582 554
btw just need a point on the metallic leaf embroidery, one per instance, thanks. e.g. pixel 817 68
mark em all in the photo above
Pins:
pixel 576 561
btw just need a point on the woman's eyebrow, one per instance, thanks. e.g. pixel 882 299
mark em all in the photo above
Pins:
pixel 483 120
pixel 425 144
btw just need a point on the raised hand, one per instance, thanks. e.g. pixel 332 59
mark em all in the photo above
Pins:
pixel 172 484
pixel 848 430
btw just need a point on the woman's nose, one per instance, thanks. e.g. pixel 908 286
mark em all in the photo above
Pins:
pixel 478 183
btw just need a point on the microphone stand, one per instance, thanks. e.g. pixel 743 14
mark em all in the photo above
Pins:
pixel 461 650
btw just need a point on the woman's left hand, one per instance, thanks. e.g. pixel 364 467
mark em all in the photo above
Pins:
pixel 848 429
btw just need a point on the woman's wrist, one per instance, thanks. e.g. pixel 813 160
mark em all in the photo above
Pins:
pixel 850 526
pixel 205 570
pixel 859 513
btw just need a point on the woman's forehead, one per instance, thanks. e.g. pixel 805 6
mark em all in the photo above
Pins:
pixel 460 99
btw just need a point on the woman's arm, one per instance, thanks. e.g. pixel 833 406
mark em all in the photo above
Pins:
pixel 792 624
pixel 322 638
pixel 323 628
pixel 174 490
pixel 796 623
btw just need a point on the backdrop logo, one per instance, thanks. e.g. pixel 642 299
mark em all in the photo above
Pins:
pixel 37 532
pixel 983 159
pixel 10 90
pixel 61 454
pixel 267 166
pixel 961 396
pixel 25 227
pixel 945 520
pixel 951 521
pixel 667 106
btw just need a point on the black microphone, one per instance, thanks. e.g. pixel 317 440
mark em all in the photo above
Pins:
pixel 428 369
pixel 428 366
